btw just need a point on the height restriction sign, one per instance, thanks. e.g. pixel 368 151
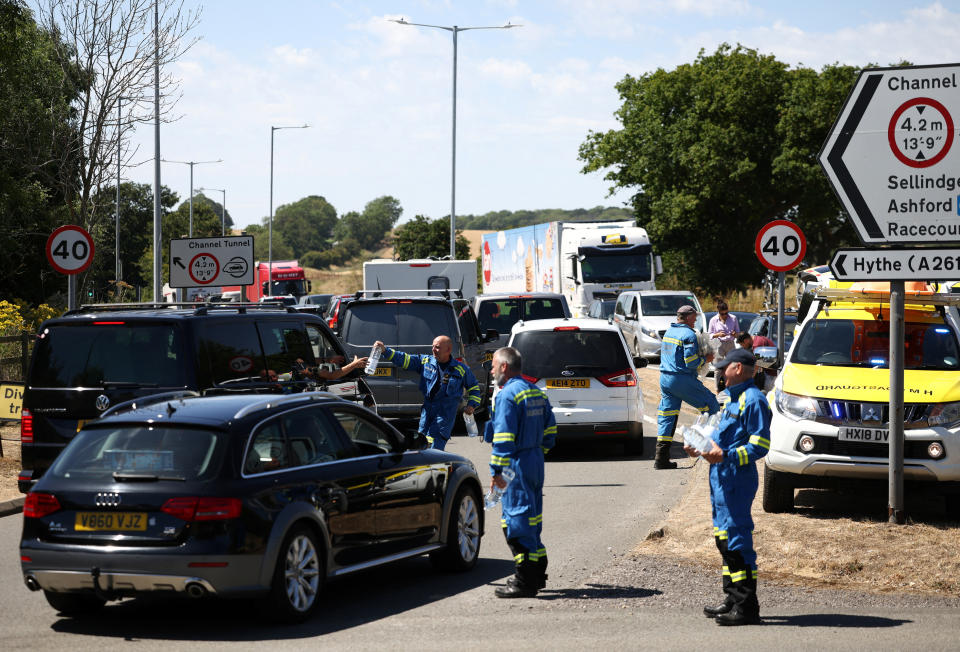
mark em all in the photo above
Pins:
pixel 891 156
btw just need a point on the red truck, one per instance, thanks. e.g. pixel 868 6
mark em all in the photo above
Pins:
pixel 288 279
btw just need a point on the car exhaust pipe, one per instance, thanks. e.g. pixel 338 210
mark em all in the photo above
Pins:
pixel 32 583
pixel 196 590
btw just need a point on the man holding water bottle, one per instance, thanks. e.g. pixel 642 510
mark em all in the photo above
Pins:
pixel 522 431
pixel 443 380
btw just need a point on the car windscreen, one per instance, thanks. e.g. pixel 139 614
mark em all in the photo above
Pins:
pixel 397 324
pixel 502 314
pixel 863 343
pixel 615 265
pixel 663 305
pixel 137 453
pixel 109 352
pixel 579 353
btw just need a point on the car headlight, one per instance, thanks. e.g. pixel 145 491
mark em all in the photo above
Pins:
pixel 945 414
pixel 796 407
pixel 650 332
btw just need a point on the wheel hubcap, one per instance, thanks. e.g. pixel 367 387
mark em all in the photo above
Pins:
pixel 468 528
pixel 302 573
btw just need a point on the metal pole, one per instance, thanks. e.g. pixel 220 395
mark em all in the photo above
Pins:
pixel 157 292
pixel 191 199
pixel 270 237
pixel 895 508
pixel 780 324
pixel 117 220
pixel 72 292
pixel 223 214
pixel 453 157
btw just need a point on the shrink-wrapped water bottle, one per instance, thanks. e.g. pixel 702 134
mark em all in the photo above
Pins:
pixel 372 361
pixel 471 423
pixel 493 497
pixel 701 435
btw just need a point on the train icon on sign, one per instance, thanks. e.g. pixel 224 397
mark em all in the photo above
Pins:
pixel 236 267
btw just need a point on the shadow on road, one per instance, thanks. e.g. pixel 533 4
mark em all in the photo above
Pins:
pixel 869 502
pixel 834 620
pixel 580 450
pixel 358 599
pixel 597 591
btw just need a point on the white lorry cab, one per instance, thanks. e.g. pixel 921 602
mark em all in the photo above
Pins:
pixel 581 260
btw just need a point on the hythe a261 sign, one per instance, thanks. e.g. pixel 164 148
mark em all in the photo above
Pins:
pixel 892 158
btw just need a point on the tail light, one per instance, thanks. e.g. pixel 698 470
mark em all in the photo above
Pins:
pixel 624 378
pixel 203 509
pixel 566 328
pixel 332 322
pixel 530 379
pixel 26 427
pixel 38 505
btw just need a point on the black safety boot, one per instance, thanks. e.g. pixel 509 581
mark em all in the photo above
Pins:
pixel 662 458
pixel 715 610
pixel 737 616
pixel 514 590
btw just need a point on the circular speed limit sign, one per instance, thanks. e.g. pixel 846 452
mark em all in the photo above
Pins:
pixel 780 245
pixel 70 249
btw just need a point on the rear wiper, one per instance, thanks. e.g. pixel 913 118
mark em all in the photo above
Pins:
pixel 114 384
pixel 145 477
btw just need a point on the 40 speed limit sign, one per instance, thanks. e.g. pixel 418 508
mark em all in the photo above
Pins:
pixel 780 245
pixel 70 249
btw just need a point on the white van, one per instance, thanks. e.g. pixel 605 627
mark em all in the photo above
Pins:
pixel 644 315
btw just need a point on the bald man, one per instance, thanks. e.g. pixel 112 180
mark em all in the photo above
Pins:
pixel 443 380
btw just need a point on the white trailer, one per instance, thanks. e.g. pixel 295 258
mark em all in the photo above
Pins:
pixel 422 276
pixel 581 260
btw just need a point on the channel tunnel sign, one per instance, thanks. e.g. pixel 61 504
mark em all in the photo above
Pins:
pixel 892 157
pixel 896 264
pixel 211 262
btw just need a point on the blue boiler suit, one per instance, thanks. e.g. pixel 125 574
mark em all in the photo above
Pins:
pixel 522 431
pixel 442 387
pixel 744 436
pixel 680 358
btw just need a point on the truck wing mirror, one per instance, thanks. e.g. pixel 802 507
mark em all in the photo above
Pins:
pixel 491 335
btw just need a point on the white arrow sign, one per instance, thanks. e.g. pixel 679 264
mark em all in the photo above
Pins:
pixel 211 262
pixel 891 155
pixel 895 264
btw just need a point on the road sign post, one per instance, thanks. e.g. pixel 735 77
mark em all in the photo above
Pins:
pixel 780 246
pixel 70 250
pixel 211 262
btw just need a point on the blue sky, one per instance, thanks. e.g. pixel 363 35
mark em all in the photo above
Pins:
pixel 378 95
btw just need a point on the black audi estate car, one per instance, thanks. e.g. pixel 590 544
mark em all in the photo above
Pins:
pixel 241 495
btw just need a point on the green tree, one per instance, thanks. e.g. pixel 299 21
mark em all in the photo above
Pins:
pixel 370 227
pixel 422 238
pixel 306 224
pixel 261 242
pixel 704 148
pixel 217 208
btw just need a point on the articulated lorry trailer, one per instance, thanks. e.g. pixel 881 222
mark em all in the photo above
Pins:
pixel 581 260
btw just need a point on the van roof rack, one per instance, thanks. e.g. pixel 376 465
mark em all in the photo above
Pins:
pixel 849 295
pixel 198 307
pixel 414 292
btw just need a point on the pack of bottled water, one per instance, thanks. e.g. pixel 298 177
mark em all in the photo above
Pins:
pixel 702 434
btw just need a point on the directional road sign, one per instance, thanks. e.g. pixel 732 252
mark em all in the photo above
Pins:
pixel 895 264
pixel 70 249
pixel 891 157
pixel 211 262
pixel 780 245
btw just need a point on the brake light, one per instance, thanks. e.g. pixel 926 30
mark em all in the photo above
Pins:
pixel 530 379
pixel 566 328
pixel 624 378
pixel 332 322
pixel 25 559
pixel 26 427
pixel 419 264
pixel 38 505
pixel 520 296
pixel 394 301
pixel 108 323
pixel 203 509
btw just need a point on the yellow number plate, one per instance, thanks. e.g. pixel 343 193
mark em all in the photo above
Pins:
pixel 98 521
pixel 568 383
pixel 382 371
pixel 487 357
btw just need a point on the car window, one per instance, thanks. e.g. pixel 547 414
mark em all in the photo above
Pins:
pixel 369 438
pixel 283 344
pixel 619 309
pixel 179 453
pixel 398 323
pixel 499 315
pixel 323 348
pixel 584 353
pixel 228 351
pixel 545 308
pixel 661 305
pixel 468 325
pixel 267 450
pixel 90 355
pixel 312 438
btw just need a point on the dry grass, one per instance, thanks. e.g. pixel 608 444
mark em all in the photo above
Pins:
pixel 822 547
pixel 10 462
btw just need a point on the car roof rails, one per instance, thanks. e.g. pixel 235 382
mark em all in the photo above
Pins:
pixel 150 399
pixel 416 293
pixel 282 399
pixel 198 307
pixel 867 295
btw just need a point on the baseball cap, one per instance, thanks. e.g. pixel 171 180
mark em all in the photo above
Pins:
pixel 737 355
pixel 686 310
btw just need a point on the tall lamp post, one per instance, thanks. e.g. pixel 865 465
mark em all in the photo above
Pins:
pixel 223 208
pixel 453 29
pixel 191 164
pixel 270 236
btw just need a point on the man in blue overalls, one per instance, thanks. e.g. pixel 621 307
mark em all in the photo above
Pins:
pixel 443 380
pixel 522 431
pixel 680 360
pixel 742 437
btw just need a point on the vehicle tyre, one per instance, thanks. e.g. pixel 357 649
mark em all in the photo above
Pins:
pixel 777 492
pixel 633 447
pixel 297 578
pixel 463 534
pixel 74 604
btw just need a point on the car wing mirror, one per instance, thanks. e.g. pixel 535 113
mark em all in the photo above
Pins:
pixel 640 362
pixel 766 356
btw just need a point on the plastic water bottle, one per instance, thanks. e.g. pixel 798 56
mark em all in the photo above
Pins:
pixel 471 423
pixel 373 361
pixel 700 435
pixel 491 499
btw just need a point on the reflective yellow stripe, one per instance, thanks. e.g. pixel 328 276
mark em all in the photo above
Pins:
pixel 743 401
pixel 691 358
pixel 739 576
pixel 503 522
pixel 668 413
pixel 534 520
pixel 473 387
pixel 722 535
pixel 753 573
pixel 390 353
pixel 429 439
pixel 760 441
pixel 518 558
pixel 742 455
pixel 726 571
pixel 460 370
pixel 545 449
pixel 495 460
pixel 672 340
pixel 705 408
pixel 550 430
pixel 406 360
pixel 665 438
pixel 528 393
pixel 504 436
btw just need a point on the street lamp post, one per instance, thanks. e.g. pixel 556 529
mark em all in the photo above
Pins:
pixel 270 236
pixel 223 208
pixel 453 29
pixel 191 164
